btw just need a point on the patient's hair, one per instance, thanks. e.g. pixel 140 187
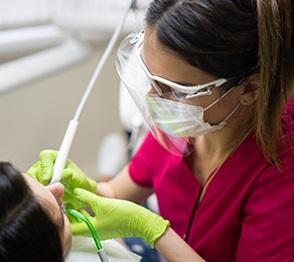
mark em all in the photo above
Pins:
pixel 26 231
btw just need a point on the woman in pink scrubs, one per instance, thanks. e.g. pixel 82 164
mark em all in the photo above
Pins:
pixel 220 107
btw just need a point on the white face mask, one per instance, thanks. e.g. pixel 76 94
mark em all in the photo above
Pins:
pixel 183 120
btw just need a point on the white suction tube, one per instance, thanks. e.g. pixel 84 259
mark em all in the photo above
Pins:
pixel 73 125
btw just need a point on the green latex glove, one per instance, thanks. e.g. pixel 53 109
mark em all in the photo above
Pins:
pixel 115 218
pixel 72 176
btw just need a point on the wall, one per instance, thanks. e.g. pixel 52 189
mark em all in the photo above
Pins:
pixel 35 117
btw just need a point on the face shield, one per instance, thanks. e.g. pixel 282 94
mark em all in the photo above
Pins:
pixel 170 114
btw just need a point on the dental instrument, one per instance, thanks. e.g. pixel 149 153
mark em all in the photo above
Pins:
pixel 101 252
pixel 73 124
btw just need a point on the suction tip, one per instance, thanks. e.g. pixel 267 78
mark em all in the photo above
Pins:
pixel 54 180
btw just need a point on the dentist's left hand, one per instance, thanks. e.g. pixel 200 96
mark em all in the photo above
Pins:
pixel 72 176
pixel 115 218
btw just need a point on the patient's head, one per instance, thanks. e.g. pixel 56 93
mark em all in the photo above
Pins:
pixel 33 225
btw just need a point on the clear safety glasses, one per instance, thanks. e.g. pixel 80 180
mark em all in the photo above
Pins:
pixel 167 88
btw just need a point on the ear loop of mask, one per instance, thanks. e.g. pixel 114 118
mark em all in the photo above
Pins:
pixel 222 96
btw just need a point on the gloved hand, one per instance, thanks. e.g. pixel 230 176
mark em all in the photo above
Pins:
pixel 72 176
pixel 115 218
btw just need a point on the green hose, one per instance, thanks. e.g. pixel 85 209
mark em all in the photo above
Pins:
pixel 80 216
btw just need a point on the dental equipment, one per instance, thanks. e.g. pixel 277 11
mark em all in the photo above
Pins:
pixel 100 250
pixel 73 124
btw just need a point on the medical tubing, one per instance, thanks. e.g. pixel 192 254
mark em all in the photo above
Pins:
pixel 100 250
pixel 80 216
pixel 102 62
pixel 102 255
pixel 64 151
pixel 72 127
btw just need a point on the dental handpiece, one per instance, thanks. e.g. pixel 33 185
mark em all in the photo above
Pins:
pixel 73 124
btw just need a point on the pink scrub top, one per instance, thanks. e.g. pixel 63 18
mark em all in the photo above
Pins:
pixel 247 212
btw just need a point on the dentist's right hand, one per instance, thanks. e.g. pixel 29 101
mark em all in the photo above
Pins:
pixel 72 176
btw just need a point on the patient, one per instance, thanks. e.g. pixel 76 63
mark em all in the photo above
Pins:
pixel 33 224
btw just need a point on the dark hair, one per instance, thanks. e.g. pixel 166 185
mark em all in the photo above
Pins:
pixel 26 230
pixel 227 38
